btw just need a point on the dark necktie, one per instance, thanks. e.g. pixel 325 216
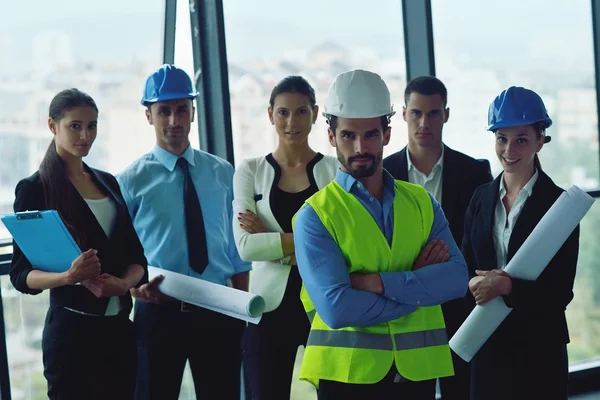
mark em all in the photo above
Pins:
pixel 194 223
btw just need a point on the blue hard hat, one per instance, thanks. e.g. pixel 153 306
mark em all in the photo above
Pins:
pixel 517 106
pixel 168 83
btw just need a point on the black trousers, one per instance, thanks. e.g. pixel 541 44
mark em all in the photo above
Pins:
pixel 456 387
pixel 88 357
pixel 520 371
pixel 269 348
pixel 168 337
pixel 385 389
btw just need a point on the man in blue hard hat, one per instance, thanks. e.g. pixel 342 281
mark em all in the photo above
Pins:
pixel 180 201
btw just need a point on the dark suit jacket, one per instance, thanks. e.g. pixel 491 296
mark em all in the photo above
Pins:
pixel 461 175
pixel 115 254
pixel 529 346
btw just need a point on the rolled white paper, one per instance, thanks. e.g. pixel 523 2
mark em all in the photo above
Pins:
pixel 222 299
pixel 528 263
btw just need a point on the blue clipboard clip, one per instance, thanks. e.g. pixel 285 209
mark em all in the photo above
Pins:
pixel 23 215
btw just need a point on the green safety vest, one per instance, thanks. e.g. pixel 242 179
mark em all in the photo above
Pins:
pixel 417 343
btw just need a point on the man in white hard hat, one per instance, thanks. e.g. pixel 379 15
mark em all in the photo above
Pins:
pixel 451 177
pixel 377 259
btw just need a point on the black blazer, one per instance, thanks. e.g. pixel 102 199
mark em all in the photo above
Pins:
pixel 538 306
pixel 116 254
pixel 461 175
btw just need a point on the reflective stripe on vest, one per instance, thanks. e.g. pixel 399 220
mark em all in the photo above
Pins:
pixel 375 341
pixel 351 339
pixel 311 315
pixel 416 340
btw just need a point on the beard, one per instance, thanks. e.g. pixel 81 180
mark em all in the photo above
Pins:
pixel 361 171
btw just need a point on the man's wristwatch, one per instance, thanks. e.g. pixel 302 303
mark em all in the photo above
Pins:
pixel 286 260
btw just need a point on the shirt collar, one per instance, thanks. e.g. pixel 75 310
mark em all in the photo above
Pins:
pixel 528 188
pixel 347 181
pixel 169 160
pixel 438 165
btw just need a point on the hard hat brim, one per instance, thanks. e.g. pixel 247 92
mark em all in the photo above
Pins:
pixel 507 124
pixel 356 116
pixel 169 96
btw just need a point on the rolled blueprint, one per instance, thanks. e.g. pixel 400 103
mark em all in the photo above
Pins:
pixel 222 299
pixel 528 263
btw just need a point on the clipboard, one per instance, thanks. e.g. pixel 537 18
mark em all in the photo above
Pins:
pixel 44 239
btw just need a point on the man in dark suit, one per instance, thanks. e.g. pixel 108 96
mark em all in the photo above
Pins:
pixel 451 177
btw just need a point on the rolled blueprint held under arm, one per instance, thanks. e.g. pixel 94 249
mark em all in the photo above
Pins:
pixel 222 299
pixel 528 263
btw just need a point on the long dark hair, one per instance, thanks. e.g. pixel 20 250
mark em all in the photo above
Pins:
pixel 540 130
pixel 59 193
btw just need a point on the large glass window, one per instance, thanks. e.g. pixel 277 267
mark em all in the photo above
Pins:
pixel 47 48
pixel 315 39
pixel 105 48
pixel 546 47
pixel 543 46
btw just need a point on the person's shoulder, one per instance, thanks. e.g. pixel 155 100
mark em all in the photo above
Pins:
pixel 210 160
pixel 329 162
pixel 466 160
pixel 551 189
pixel 134 169
pixel 103 174
pixel 395 156
pixel 33 179
pixel 29 184
pixel 29 194
pixel 251 163
pixel 304 215
pixel 410 187
pixel 485 191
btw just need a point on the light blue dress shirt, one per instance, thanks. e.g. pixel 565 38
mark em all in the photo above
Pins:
pixel 327 281
pixel 153 189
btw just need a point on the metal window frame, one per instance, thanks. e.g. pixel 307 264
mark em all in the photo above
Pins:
pixel 418 38
pixel 169 31
pixel 5 393
pixel 212 78
pixel 596 33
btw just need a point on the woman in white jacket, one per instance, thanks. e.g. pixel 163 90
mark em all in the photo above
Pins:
pixel 267 193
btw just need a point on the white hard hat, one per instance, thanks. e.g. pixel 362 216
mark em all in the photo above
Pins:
pixel 358 94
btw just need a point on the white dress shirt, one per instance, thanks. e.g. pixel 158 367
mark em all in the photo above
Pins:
pixel 432 182
pixel 504 224
pixel 105 212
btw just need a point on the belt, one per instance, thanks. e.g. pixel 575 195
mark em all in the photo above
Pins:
pixel 187 307
pixel 83 312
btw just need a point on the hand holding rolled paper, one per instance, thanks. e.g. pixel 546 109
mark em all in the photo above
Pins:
pixel 528 263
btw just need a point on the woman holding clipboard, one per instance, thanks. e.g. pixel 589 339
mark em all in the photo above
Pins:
pixel 526 357
pixel 88 344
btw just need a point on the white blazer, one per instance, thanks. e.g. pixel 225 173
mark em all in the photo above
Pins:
pixel 252 184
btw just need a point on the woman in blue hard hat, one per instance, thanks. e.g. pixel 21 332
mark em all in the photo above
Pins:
pixel 88 343
pixel 268 191
pixel 526 357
